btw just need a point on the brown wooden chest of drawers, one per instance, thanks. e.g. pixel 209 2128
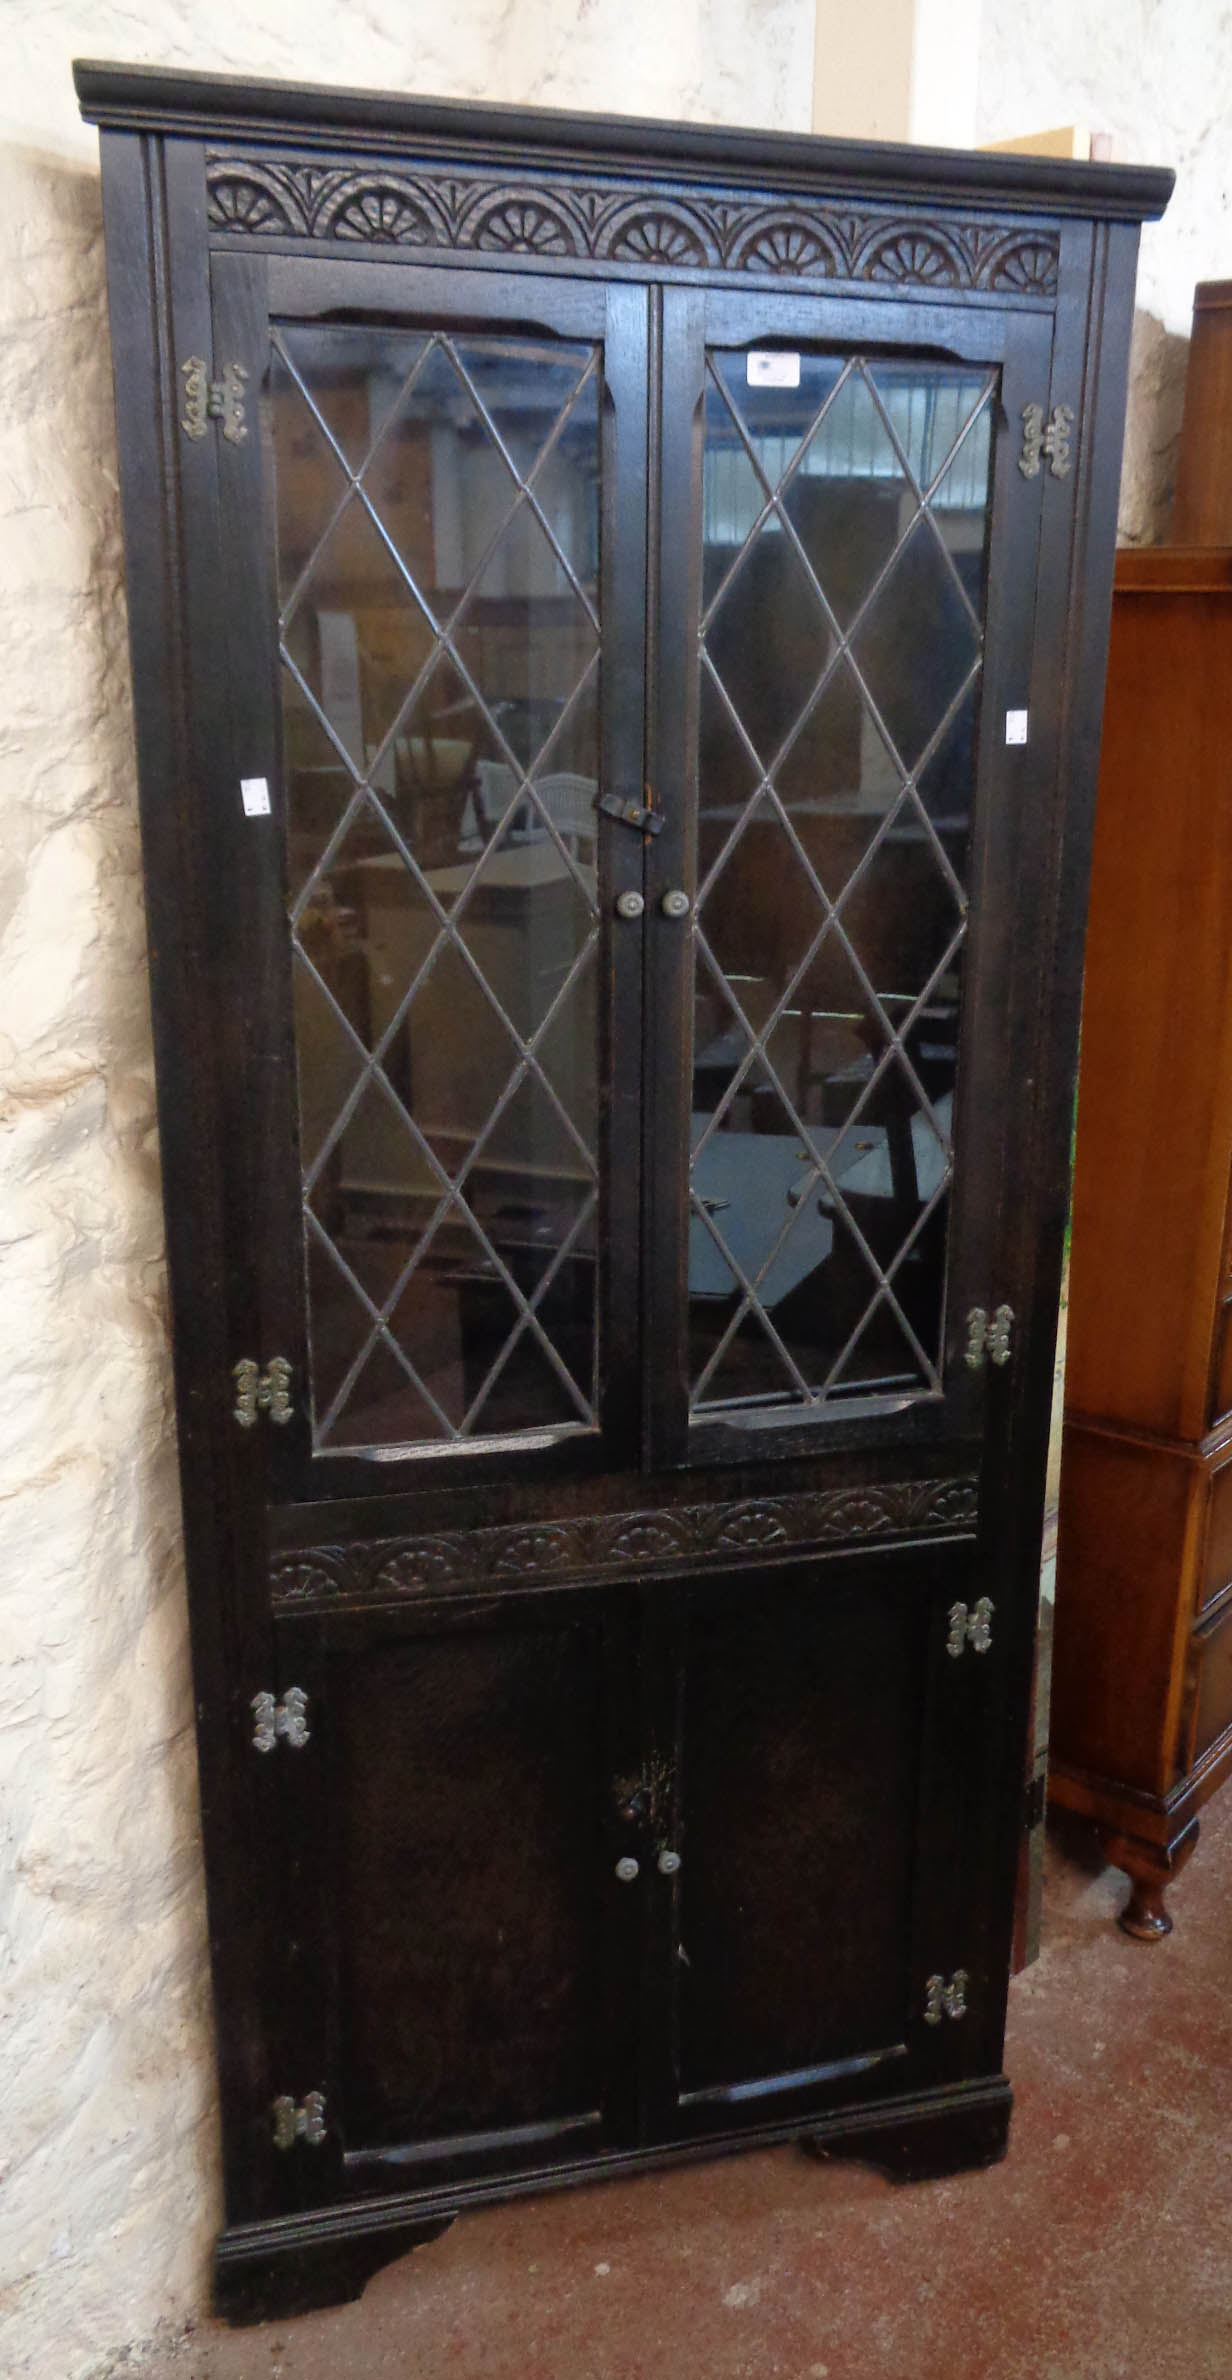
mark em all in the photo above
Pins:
pixel 1142 1708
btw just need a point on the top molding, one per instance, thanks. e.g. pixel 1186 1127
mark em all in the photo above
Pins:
pixel 229 107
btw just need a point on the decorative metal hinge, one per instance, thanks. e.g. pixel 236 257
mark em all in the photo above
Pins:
pixel 1052 441
pixel 261 1392
pixel 970 1627
pixel 288 1718
pixel 292 2123
pixel 945 1999
pixel 988 1338
pixel 207 400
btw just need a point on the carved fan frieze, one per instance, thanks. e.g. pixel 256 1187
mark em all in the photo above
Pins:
pixel 796 239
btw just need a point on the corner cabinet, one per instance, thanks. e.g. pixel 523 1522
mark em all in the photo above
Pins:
pixel 618 618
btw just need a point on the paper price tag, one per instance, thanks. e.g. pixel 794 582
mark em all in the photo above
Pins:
pixel 254 793
pixel 1016 727
pixel 768 368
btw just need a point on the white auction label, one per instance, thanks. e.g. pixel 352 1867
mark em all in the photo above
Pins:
pixel 1016 727
pixel 768 368
pixel 254 793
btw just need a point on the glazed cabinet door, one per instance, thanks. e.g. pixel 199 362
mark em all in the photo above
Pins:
pixel 825 1732
pixel 429 629
pixel 460 1953
pixel 845 745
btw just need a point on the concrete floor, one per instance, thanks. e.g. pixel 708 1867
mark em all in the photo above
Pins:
pixel 1100 2250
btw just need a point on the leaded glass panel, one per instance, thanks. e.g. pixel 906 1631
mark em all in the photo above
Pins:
pixel 438 579
pixel 846 505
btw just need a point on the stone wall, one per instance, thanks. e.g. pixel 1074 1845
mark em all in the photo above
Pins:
pixel 108 2157
pixel 1157 76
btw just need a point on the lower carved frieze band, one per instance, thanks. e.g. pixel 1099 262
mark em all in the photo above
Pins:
pixel 615 1542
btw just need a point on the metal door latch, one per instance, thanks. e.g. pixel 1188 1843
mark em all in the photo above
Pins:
pixel 631 813
pixel 970 1627
pixel 288 1719
pixel 306 2123
pixel 988 1338
pixel 207 400
pixel 261 1392
pixel 945 1999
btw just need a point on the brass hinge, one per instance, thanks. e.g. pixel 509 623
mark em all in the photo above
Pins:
pixel 261 1392
pixel 207 400
pixel 1051 440
pixel 288 1719
pixel 991 1338
pixel 945 1999
pixel 970 1627
pixel 306 2123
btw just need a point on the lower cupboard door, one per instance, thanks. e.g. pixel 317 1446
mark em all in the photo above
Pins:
pixel 463 1938
pixel 826 1768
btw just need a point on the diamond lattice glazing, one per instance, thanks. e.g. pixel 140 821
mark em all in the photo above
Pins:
pixel 840 658
pixel 438 578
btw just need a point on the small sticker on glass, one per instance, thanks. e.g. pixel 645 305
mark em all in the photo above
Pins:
pixel 254 793
pixel 768 368
pixel 1016 727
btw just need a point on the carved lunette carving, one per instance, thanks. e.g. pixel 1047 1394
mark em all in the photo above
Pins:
pixel 552 215
pixel 617 1542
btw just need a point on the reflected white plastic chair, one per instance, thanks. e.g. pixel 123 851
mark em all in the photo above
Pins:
pixel 566 798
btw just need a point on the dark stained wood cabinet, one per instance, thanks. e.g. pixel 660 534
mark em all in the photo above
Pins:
pixel 618 616
pixel 1142 1669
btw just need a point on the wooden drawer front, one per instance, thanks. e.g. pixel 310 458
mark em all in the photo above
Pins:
pixel 1212 1688
pixel 1217 1562
pixel 1128 1547
pixel 1221 1377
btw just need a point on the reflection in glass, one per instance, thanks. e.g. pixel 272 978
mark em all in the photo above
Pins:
pixel 845 535
pixel 437 553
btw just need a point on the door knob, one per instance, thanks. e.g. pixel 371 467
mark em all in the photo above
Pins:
pixel 629 904
pixel 675 903
pixel 669 1863
pixel 627 1870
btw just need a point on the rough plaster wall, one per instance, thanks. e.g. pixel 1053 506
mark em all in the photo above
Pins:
pixel 108 2150
pixel 1157 75
pixel 105 2090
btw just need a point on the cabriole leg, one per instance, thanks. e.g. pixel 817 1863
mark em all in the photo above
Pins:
pixel 1150 1867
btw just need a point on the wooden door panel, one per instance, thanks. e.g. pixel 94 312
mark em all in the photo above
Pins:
pixel 827 1833
pixel 473 1938
pixel 801 1727
pixel 471 1873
